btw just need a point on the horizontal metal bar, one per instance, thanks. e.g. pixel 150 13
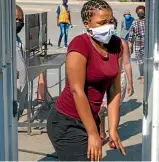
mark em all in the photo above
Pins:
pixel 32 124
pixel 37 153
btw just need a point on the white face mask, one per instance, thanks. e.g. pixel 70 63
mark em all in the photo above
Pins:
pixel 102 34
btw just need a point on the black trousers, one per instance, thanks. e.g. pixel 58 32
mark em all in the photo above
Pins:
pixel 68 137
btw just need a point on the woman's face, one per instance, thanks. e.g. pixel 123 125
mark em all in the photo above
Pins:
pixel 99 18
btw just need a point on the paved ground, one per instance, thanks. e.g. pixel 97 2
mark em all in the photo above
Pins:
pixel 131 109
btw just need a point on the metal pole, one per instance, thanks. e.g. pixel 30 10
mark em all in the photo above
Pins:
pixel 150 145
pixel 29 107
pixel 155 112
pixel 2 148
pixel 148 86
pixel 8 123
pixel 60 81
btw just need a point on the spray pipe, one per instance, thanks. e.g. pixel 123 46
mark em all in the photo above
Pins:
pixel 37 153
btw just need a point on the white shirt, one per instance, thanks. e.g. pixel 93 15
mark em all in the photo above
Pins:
pixel 21 67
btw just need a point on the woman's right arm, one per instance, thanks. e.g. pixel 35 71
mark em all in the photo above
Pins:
pixel 76 72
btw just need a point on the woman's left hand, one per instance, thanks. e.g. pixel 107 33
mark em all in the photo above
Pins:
pixel 116 139
pixel 130 90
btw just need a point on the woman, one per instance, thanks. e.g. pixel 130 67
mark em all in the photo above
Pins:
pixel 137 37
pixel 73 126
pixel 126 83
pixel 126 24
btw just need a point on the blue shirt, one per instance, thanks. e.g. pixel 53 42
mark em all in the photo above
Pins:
pixel 58 8
pixel 18 39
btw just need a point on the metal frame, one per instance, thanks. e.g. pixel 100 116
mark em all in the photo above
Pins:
pixel 56 63
pixel 8 121
pixel 148 86
pixel 150 146
pixel 155 111
pixel 37 63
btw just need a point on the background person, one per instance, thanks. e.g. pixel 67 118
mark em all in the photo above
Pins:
pixel 137 37
pixel 126 24
pixel 20 62
pixel 63 21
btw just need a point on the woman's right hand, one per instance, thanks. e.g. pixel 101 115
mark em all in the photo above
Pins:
pixel 115 138
pixel 94 147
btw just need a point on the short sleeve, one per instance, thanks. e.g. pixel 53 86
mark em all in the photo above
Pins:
pixel 58 10
pixel 79 44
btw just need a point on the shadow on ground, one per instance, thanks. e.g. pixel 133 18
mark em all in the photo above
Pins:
pixel 54 158
pixel 130 129
pixel 129 106
pixel 133 154
pixel 115 155
pixel 126 131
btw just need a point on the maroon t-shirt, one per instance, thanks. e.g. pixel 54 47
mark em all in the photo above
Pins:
pixel 100 74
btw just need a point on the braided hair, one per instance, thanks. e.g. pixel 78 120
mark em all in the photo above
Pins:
pixel 90 6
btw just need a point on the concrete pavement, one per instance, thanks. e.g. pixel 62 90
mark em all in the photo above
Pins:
pixel 131 109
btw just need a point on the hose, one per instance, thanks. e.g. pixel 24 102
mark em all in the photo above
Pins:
pixel 37 153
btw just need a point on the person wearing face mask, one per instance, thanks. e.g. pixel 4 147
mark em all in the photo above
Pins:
pixel 126 84
pixel 126 24
pixel 20 61
pixel 64 22
pixel 136 37
pixel 93 66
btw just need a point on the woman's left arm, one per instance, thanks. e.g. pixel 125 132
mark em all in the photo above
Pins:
pixel 113 97
pixel 127 67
